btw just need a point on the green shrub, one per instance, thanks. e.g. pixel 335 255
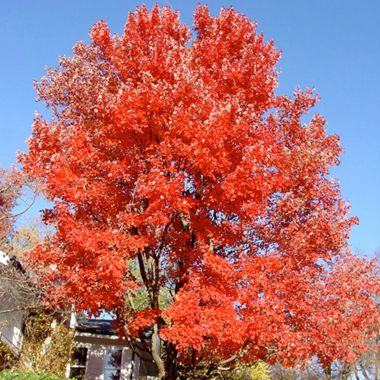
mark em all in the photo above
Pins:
pixel 258 371
pixel 14 375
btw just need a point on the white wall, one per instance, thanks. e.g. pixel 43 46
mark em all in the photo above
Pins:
pixel 11 328
pixel 4 258
pixel 95 361
pixel 129 363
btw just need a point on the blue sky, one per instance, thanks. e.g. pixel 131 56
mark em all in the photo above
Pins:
pixel 327 44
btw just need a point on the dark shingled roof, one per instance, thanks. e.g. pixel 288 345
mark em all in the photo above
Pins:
pixel 96 326
pixel 103 327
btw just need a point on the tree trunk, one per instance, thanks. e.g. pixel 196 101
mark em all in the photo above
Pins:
pixel 377 365
pixel 156 354
pixel 364 372
pixel 356 373
pixel 327 373
pixel 346 372
pixel 171 364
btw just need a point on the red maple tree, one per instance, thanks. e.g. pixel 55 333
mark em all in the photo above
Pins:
pixel 172 155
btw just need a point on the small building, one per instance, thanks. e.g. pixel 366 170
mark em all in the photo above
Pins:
pixel 99 354
pixel 12 300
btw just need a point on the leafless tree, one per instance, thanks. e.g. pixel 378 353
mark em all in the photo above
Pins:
pixel 17 292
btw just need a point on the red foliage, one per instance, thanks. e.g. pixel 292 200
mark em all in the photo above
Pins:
pixel 178 153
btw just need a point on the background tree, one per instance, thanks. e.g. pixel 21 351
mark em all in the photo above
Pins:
pixel 10 186
pixel 20 294
pixel 17 196
pixel 175 153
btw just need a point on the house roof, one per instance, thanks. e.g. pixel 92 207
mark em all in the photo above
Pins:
pixel 102 327
pixel 96 326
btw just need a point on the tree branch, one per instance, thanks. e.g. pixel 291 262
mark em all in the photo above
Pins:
pixel 12 216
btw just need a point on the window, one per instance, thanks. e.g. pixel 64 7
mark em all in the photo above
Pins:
pixel 78 367
pixel 17 336
pixel 112 364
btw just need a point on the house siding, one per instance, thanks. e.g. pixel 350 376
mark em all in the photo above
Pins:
pixel 130 364
pixel 11 329
pixel 95 361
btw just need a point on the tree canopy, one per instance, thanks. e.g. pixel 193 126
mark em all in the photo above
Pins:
pixel 171 152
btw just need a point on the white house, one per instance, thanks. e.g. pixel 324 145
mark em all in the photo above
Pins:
pixel 99 354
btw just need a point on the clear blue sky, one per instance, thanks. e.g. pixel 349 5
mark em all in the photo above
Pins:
pixel 329 44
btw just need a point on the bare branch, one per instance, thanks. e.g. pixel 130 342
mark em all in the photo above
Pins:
pixel 12 216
